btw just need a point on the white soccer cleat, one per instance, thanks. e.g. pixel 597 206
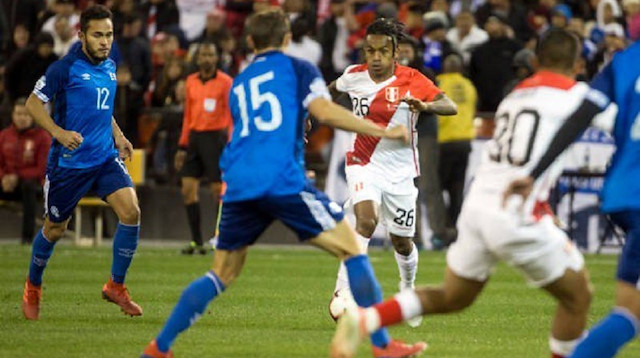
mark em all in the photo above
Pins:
pixel 349 333
pixel 416 321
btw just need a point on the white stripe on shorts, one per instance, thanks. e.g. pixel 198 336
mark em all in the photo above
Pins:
pixel 45 190
pixel 319 212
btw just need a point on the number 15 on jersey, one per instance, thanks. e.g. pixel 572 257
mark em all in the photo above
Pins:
pixel 258 99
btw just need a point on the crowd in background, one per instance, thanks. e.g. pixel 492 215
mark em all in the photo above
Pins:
pixel 155 41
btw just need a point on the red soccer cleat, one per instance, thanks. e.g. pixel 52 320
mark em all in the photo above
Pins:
pixel 118 294
pixel 31 298
pixel 152 351
pixel 398 349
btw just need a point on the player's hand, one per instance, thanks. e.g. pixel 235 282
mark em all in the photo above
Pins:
pixel 69 139
pixel 415 105
pixel 179 159
pixel 522 187
pixel 398 132
pixel 9 183
pixel 125 148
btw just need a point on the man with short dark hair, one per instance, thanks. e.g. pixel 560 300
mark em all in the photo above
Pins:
pixel 263 168
pixel 86 156
pixel 527 239
pixel 23 159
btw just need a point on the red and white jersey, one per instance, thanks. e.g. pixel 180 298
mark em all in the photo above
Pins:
pixel 526 122
pixel 380 103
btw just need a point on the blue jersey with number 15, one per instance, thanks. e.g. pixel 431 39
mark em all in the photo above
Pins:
pixel 83 94
pixel 268 103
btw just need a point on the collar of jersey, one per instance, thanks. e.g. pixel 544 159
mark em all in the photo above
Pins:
pixel 264 54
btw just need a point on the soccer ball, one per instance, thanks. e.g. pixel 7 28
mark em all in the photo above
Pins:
pixel 341 302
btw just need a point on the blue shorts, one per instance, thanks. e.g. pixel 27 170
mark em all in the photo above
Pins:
pixel 64 187
pixel 308 213
pixel 629 265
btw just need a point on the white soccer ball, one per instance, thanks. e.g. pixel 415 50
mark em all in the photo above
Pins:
pixel 341 302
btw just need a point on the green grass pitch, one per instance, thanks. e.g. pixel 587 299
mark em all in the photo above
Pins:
pixel 276 309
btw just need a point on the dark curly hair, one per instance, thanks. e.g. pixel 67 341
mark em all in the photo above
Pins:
pixel 387 27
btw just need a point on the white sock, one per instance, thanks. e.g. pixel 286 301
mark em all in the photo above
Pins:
pixel 408 266
pixel 563 348
pixel 410 304
pixel 342 280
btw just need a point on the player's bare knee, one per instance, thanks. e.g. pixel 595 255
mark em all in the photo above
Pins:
pixel 54 231
pixel 130 215
pixel 366 226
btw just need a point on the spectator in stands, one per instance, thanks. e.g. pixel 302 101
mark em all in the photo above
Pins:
pixel 63 36
pixel 302 45
pixel 193 16
pixel 515 16
pixel 561 14
pixel 607 12
pixel 466 35
pixel 122 9
pixel 436 45
pixel 165 84
pixel 428 183
pixel 62 8
pixel 522 68
pixel 631 9
pixel 413 20
pixel 490 66
pixel 455 134
pixel 19 41
pixel 207 119
pixel 333 36
pixel 299 9
pixel 23 160
pixel 26 66
pixel 136 54
pixel 159 15
pixel 23 12
pixel 614 41
pixel 589 49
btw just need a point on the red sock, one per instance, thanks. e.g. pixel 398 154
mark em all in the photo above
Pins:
pixel 390 312
pixel 554 355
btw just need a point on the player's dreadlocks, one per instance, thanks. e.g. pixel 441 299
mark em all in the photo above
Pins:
pixel 387 27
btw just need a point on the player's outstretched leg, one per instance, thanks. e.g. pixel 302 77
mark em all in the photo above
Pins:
pixel 456 294
pixel 192 303
pixel 406 255
pixel 125 242
pixel 41 251
pixel 623 323
pixel 574 297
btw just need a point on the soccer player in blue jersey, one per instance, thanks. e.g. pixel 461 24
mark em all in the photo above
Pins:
pixel 86 156
pixel 619 82
pixel 263 168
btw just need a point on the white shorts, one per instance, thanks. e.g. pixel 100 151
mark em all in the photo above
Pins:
pixel 486 234
pixel 397 201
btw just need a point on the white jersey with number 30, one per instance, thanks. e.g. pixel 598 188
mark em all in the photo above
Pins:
pixel 526 122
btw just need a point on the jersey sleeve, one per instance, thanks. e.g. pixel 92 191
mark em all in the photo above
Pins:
pixel 52 82
pixel 311 85
pixel 602 88
pixel 342 83
pixel 423 88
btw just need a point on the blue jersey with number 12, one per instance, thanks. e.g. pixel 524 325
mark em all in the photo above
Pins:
pixel 619 82
pixel 268 103
pixel 83 93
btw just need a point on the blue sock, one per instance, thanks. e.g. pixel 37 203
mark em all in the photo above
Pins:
pixel 40 253
pixel 124 246
pixel 190 307
pixel 605 339
pixel 366 291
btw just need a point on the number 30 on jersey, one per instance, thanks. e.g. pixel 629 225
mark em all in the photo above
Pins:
pixel 257 99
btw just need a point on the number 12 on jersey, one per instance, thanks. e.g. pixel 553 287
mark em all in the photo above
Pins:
pixel 257 99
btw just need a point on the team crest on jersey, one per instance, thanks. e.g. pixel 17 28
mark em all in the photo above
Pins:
pixel 112 76
pixel 392 94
